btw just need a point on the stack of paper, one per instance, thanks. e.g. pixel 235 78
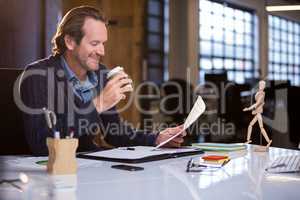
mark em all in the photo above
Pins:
pixel 220 146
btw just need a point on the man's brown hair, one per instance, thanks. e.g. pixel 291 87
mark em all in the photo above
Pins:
pixel 71 24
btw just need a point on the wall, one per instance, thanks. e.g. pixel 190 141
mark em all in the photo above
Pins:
pixel 53 14
pixel 26 30
pixel 184 26
pixel 20 32
pixel 125 44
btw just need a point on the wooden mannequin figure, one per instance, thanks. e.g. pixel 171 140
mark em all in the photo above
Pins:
pixel 257 110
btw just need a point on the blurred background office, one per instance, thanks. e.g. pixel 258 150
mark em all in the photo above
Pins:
pixel 216 48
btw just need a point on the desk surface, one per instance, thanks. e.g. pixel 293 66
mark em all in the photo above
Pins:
pixel 242 178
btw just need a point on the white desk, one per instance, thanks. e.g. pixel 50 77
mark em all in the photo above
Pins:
pixel 241 178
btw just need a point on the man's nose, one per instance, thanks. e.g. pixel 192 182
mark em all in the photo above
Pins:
pixel 100 50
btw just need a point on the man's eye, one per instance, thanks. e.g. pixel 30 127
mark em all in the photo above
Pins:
pixel 94 43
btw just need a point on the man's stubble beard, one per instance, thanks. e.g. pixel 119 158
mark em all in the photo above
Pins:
pixel 81 62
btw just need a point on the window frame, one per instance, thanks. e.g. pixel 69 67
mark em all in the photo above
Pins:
pixel 278 69
pixel 250 72
pixel 158 66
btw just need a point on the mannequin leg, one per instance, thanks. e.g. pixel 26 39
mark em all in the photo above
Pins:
pixel 250 129
pixel 263 131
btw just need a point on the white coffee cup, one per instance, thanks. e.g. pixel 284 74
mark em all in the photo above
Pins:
pixel 114 71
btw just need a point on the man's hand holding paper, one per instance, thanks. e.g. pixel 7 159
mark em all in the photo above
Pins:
pixel 169 133
pixel 173 137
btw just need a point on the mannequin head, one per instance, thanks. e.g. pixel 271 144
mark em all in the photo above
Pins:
pixel 261 85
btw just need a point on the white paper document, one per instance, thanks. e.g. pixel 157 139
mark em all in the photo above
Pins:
pixel 197 110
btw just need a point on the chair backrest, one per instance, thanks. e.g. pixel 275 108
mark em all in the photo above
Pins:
pixel 12 138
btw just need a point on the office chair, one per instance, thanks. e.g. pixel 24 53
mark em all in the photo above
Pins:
pixel 12 138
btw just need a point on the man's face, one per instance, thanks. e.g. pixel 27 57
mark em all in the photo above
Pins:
pixel 91 48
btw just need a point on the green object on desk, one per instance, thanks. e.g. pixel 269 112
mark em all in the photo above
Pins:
pixel 220 146
pixel 42 162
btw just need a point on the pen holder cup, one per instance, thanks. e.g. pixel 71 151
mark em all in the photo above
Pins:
pixel 62 156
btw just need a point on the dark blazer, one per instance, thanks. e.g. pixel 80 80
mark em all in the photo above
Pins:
pixel 44 84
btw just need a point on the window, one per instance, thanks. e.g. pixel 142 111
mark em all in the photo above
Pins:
pixel 284 50
pixel 157 34
pixel 227 41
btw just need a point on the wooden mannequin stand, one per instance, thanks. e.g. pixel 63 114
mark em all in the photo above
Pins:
pixel 62 156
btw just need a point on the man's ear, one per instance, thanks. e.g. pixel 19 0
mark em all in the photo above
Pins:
pixel 70 42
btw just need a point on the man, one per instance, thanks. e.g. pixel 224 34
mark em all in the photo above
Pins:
pixel 73 84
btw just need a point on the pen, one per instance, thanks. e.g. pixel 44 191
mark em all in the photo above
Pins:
pixel 128 148
pixel 57 135
pixel 71 132
pixel 51 121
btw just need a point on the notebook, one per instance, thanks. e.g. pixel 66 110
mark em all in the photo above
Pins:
pixel 140 154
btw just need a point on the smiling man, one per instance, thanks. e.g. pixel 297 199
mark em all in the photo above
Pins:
pixel 73 84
